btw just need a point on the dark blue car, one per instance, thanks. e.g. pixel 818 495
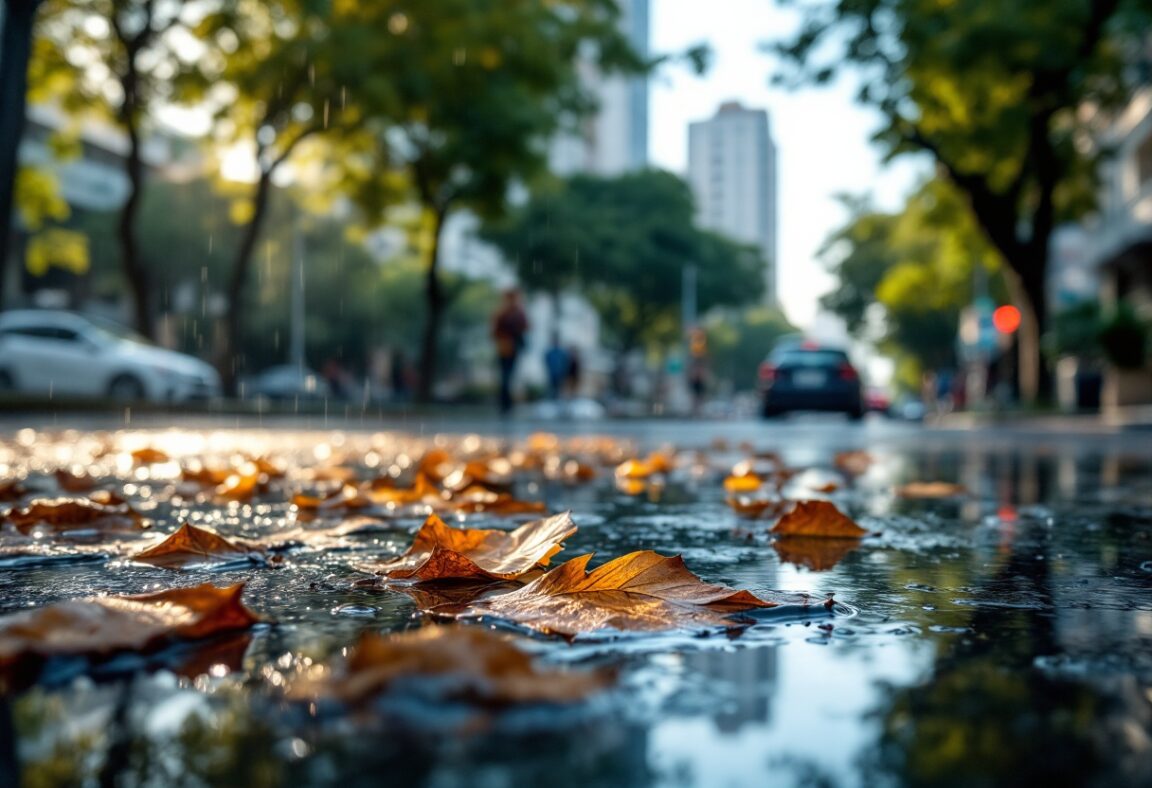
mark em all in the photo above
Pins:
pixel 809 376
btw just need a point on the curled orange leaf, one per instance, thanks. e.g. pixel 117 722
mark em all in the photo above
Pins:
pixel 149 456
pixel 640 591
pixel 817 519
pixel 440 552
pixel 192 546
pixel 75 514
pixel 104 625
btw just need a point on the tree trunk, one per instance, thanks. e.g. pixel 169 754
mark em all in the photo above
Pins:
pixel 435 302
pixel 134 270
pixel 15 51
pixel 231 359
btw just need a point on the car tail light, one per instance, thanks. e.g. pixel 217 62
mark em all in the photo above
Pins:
pixel 767 372
pixel 847 372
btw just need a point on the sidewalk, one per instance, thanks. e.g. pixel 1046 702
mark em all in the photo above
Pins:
pixel 1133 417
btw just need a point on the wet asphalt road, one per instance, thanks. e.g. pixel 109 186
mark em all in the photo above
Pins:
pixel 1001 638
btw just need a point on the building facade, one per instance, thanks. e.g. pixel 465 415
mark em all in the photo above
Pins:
pixel 615 139
pixel 732 171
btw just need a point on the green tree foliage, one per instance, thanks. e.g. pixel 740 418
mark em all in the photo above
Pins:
pixel 117 59
pixel 917 268
pixel 277 76
pixel 624 242
pixel 470 94
pixel 995 93
pixel 738 340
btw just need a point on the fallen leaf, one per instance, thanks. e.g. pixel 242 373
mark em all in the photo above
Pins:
pixel 480 499
pixel 73 514
pixel 434 465
pixel 853 463
pixel 239 486
pixel 205 476
pixel 74 482
pixel 421 491
pixel 98 626
pixel 149 456
pixel 931 490
pixel 748 482
pixel 631 486
pixel 641 591
pixel 813 552
pixel 191 546
pixel 107 498
pixel 817 519
pixel 12 490
pixel 346 499
pixel 440 552
pixel 467 663
pixel 756 507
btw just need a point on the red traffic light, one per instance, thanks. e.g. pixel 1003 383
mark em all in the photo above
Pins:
pixel 1006 319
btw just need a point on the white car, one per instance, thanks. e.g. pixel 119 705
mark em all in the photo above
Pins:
pixel 57 353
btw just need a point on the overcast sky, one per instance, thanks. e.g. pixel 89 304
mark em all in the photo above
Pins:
pixel 822 137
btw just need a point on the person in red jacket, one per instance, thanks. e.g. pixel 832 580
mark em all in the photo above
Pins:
pixel 509 326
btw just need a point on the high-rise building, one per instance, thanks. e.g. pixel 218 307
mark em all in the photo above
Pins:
pixel 615 139
pixel 732 170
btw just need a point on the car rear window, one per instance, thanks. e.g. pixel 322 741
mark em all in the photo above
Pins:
pixel 811 358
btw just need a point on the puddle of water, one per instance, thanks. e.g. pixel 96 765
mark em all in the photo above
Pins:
pixel 999 639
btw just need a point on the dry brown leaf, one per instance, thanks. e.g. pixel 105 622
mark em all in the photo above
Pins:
pixel 439 552
pixel 826 487
pixel 816 553
pixel 756 507
pixel 105 625
pixel 205 476
pixel 74 482
pixel 12 490
pixel 641 591
pixel 191 546
pixel 149 456
pixel 469 664
pixel 434 465
pixel 931 490
pixel 853 463
pixel 240 486
pixel 346 499
pixel 480 499
pixel 817 519
pixel 421 491
pixel 71 514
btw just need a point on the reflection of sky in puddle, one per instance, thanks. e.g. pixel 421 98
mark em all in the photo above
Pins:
pixel 784 710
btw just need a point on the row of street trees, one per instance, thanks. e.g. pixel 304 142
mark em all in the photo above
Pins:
pixel 443 106
pixel 1002 96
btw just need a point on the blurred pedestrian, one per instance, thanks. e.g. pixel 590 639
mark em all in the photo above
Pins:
pixel 698 368
pixel 556 363
pixel 574 371
pixel 338 380
pixel 509 327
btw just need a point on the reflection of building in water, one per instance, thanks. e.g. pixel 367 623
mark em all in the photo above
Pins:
pixel 745 679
